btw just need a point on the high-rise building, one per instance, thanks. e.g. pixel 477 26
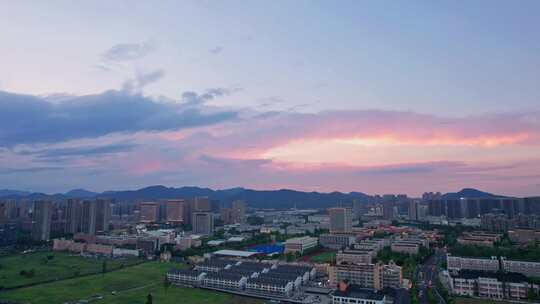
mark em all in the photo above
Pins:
pixel 201 204
pixel 413 210
pixel 88 217
pixel 389 204
pixel 73 216
pixel 239 212
pixel 226 216
pixel 41 220
pixel 3 212
pixel 203 223
pixel 103 215
pixel 175 211
pixel 149 212
pixel 531 205
pixel 8 211
pixel 340 220
pixel 359 209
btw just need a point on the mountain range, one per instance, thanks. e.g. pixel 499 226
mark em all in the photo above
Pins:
pixel 283 198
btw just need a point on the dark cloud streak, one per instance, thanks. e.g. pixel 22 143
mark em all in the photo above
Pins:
pixel 28 119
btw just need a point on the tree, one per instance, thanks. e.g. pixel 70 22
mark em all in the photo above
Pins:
pixel 149 299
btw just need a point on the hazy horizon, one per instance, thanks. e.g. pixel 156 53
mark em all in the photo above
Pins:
pixel 374 96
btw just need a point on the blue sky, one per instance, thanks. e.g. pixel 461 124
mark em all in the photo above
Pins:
pixel 449 60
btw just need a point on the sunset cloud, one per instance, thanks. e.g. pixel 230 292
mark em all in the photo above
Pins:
pixel 186 142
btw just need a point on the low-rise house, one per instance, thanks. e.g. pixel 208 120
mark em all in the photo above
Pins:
pixel 185 277
pixel 268 285
pixel 224 280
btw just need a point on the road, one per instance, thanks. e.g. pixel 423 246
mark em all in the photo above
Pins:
pixel 426 276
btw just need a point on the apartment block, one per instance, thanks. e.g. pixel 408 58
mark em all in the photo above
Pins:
pixel 336 241
pixel 529 269
pixel 456 263
pixel 300 244
pixel 367 275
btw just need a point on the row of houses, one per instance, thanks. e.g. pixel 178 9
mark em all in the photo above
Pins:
pixel 491 285
pixel 493 264
pixel 255 277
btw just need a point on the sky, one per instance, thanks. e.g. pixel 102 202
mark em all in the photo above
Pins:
pixel 371 96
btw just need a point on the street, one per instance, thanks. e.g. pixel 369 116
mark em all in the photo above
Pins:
pixel 426 276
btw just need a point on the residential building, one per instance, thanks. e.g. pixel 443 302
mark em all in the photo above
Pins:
pixel 270 285
pixel 238 212
pixel 149 212
pixel 300 244
pixel 524 236
pixel 336 241
pixel 355 256
pixel 405 247
pixel 413 210
pixel 496 286
pixel 8 234
pixel 359 209
pixel 526 268
pixel 103 215
pixel 340 220
pixel 88 217
pixel 203 223
pixel 201 204
pixel 224 280
pixel 479 239
pixel 41 220
pixel 376 276
pixel 73 216
pixel 456 263
pixel 185 277
pixel 175 211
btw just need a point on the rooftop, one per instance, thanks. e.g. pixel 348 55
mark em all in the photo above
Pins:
pixel 357 292
pixel 235 253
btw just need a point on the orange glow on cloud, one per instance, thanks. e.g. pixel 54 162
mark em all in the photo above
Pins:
pixel 389 149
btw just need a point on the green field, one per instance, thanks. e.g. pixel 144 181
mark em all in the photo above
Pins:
pixel 325 257
pixel 131 286
pixel 48 266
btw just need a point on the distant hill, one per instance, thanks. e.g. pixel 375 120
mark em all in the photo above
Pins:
pixel 283 198
pixel 267 198
pixel 279 199
pixel 470 193
pixel 80 193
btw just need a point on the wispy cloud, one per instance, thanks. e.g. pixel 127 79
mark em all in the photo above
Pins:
pixel 80 151
pixel 127 51
pixel 216 50
pixel 141 80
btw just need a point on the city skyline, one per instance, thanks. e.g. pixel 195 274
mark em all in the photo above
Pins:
pixel 313 96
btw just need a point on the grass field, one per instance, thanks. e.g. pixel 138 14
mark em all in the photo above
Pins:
pixel 60 266
pixel 132 285
pixel 325 257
